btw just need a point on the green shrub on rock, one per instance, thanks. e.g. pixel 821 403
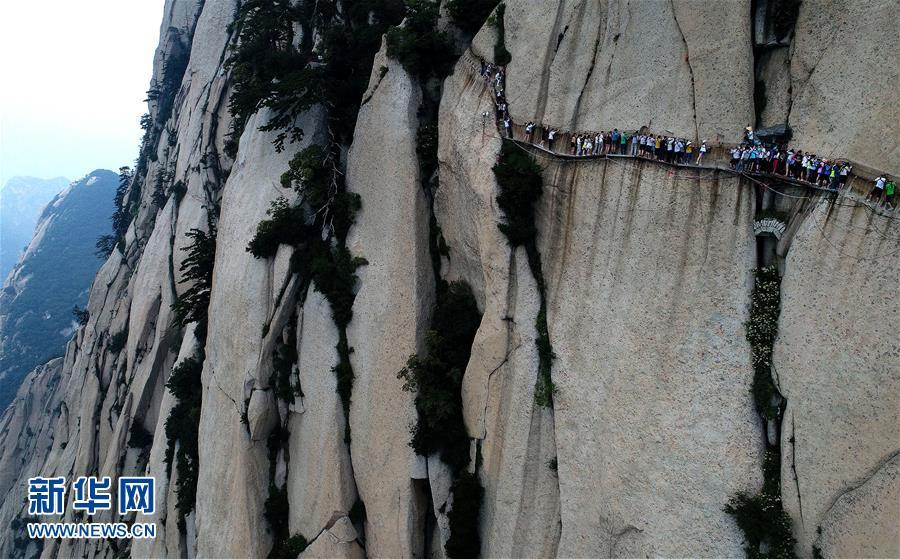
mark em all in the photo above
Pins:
pixel 274 66
pixel 761 330
pixel 117 341
pixel 470 15
pixel 419 45
pixel 308 174
pixel 545 389
pixel 435 376
pixel 197 270
pixel 427 147
pixel 502 57
pixel 262 56
pixel 767 528
pixel 80 315
pixel 521 186
pixel 317 228
pixel 291 548
pixel 464 541
pixel 284 357
pixel 139 436
pixel 284 226
pixel 182 427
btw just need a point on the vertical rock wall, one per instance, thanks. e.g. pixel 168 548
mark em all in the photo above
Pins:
pixel 844 72
pixel 28 441
pixel 648 272
pixel 234 473
pixel 320 477
pixel 599 65
pixel 839 368
pixel 394 301
pixel 520 515
pixel 607 230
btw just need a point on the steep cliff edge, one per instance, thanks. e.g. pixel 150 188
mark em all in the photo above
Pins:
pixel 588 66
pixel 843 75
pixel 839 371
pixel 302 426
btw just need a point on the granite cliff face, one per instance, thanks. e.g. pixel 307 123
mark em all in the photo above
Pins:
pixel 646 286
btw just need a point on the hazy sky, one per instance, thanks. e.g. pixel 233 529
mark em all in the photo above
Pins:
pixel 73 77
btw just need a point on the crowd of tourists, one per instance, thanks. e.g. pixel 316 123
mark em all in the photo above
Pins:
pixel 495 77
pixel 755 156
pixel 751 156
pixel 670 149
pixel 662 148
pixel 791 163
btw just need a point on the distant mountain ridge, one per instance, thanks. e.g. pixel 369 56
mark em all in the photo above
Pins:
pixel 21 202
pixel 52 276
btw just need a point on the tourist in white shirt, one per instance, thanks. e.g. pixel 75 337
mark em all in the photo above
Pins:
pixel 877 189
